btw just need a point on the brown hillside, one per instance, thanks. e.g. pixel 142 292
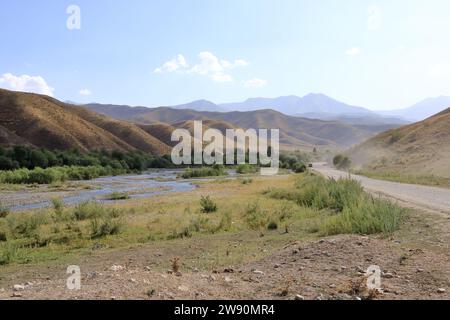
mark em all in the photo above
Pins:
pixel 294 131
pixel 46 122
pixel 422 147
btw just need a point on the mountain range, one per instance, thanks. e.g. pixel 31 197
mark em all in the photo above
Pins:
pixel 294 131
pixel 323 107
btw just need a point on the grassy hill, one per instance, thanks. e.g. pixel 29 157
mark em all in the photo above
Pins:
pixel 419 148
pixel 39 120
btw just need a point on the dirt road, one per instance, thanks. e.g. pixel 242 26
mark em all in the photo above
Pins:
pixel 417 196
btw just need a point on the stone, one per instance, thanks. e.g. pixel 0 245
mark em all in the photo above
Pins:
pixel 259 272
pixel 183 288
pixel 441 290
pixel 116 268
pixel 228 279
pixel 299 297
pixel 388 275
pixel 18 287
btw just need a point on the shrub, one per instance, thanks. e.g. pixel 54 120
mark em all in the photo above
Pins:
pixel 247 181
pixel 272 225
pixel 105 227
pixel 9 254
pixel 368 217
pixel 246 169
pixel 25 224
pixel 255 218
pixel 89 210
pixel 299 168
pixel 118 196
pixel 207 205
pixel 4 211
pixel 225 222
pixel 214 171
pixel 341 162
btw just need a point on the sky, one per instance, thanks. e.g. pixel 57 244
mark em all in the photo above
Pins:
pixel 380 54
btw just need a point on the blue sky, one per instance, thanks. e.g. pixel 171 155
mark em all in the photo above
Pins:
pixel 378 54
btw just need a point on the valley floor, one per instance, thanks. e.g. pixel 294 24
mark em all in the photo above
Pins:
pixel 246 264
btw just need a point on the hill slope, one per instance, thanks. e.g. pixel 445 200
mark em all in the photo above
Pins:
pixel 46 122
pixel 422 147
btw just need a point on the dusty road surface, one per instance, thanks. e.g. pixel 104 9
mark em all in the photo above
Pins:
pixel 416 196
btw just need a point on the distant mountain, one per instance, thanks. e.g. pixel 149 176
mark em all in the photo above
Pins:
pixel 292 105
pixel 294 131
pixel 42 121
pixel 200 105
pixel 421 110
pixel 422 147
pixel 359 119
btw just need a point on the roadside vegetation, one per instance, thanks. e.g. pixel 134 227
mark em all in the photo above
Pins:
pixel 342 162
pixel 349 208
pixel 295 207
pixel 420 179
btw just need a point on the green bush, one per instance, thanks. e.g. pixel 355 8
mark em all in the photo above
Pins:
pixel 25 224
pixel 118 196
pixel 89 210
pixel 246 169
pixel 9 253
pixel 105 227
pixel 273 225
pixel 4 211
pixel 299 168
pixel 214 171
pixel 207 205
pixel 342 162
pixel 255 218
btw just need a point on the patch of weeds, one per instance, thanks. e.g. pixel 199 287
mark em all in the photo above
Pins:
pixel 207 205
pixel 105 227
pixel 255 217
pixel 4 211
pixel 118 196
pixel 9 253
pixel 175 264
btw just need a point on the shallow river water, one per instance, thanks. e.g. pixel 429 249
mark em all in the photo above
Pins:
pixel 151 183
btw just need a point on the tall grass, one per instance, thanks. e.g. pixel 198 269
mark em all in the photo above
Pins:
pixel 351 209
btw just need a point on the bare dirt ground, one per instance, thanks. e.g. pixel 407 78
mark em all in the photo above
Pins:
pixel 331 268
pixel 415 262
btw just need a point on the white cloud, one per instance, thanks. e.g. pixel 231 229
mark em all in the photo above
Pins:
pixel 26 83
pixel 208 65
pixel 353 51
pixel 221 77
pixel 374 19
pixel 172 65
pixel 85 92
pixel 255 83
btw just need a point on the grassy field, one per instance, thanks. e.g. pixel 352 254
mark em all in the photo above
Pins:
pixel 294 207
pixel 421 179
